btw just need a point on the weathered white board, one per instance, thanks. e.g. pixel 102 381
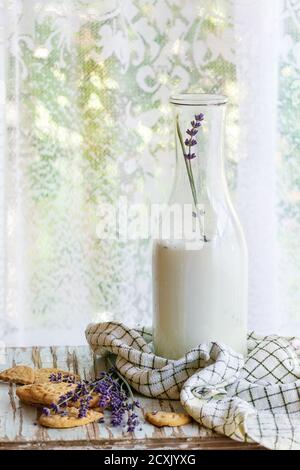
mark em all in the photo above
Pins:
pixel 19 428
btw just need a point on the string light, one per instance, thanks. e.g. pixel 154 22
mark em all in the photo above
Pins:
pixel 145 132
pixel 287 71
pixel 94 102
pixel 96 81
pixel 62 100
pixel 176 46
pixel 164 109
pixel 163 79
pixel 111 84
pixel 59 75
pixel 41 53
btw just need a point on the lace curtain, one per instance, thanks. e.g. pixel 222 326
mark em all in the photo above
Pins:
pixel 85 87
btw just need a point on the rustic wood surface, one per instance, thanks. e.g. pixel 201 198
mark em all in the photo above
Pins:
pixel 18 428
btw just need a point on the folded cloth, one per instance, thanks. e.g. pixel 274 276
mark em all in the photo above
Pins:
pixel 251 400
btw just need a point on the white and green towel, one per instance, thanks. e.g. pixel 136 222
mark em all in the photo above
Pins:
pixel 252 400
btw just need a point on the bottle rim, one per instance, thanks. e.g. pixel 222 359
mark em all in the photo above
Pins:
pixel 198 99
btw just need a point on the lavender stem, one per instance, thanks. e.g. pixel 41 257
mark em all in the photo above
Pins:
pixel 191 178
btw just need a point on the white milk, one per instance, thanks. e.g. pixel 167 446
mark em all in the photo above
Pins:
pixel 199 295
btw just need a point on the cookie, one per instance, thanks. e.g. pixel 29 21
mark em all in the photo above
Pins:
pixel 26 375
pixel 43 375
pixel 47 393
pixel 69 421
pixel 18 374
pixel 44 393
pixel 165 418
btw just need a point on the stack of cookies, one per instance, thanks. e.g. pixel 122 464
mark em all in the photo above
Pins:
pixel 37 389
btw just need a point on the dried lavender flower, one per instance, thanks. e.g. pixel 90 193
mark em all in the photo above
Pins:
pixel 109 386
pixel 132 422
pixel 60 378
pixel 188 154
pixel 190 141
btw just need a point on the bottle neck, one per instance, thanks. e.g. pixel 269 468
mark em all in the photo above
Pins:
pixel 199 174
pixel 199 177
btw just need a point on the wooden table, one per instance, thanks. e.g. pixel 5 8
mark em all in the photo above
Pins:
pixel 18 428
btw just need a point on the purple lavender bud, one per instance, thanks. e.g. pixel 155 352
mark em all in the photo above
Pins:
pixel 132 422
pixel 190 142
pixel 82 413
pixel 116 417
pixel 191 132
pixel 46 411
pixel 54 407
pixel 190 156
pixel 195 124
pixel 62 400
pixel 103 401
pixel 199 117
pixel 74 398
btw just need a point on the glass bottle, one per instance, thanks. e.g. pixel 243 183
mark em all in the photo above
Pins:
pixel 200 272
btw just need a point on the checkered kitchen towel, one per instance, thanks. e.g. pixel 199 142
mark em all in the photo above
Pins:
pixel 256 400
